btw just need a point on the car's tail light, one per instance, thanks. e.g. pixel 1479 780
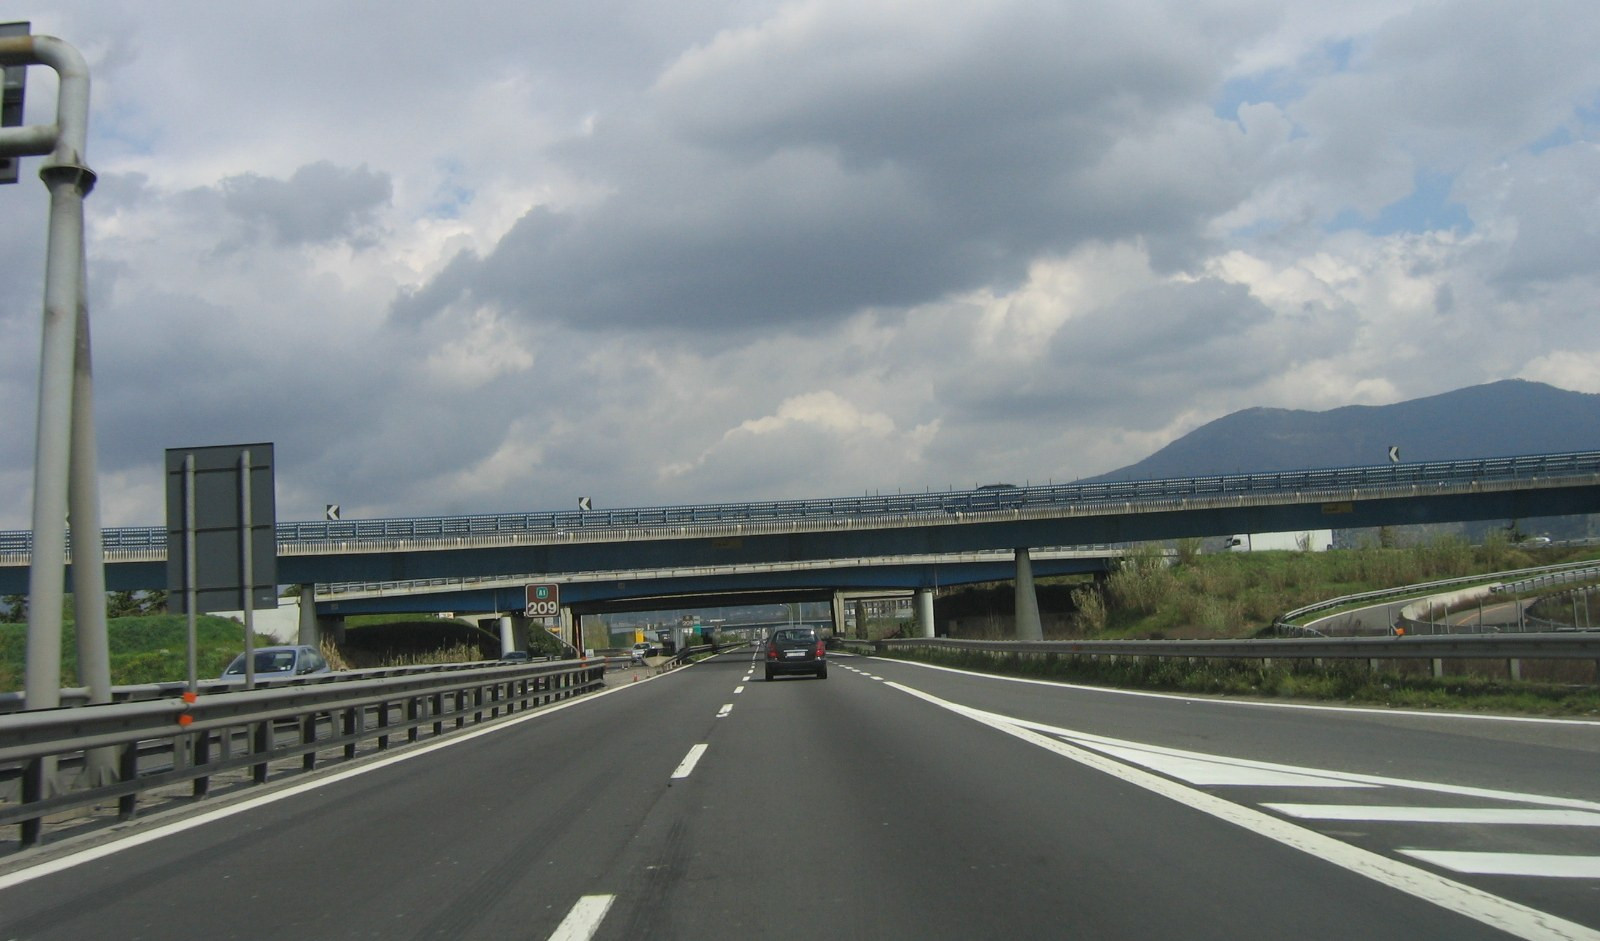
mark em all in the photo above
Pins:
pixel 772 651
pixel 822 650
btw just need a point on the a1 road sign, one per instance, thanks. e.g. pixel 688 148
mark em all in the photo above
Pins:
pixel 544 601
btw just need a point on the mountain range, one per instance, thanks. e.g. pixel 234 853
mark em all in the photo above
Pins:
pixel 1497 419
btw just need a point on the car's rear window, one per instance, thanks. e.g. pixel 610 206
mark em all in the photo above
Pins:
pixel 794 636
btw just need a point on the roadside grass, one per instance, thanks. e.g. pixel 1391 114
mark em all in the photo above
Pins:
pixel 150 648
pixel 1346 682
pixel 154 649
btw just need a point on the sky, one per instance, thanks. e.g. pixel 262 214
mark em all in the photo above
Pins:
pixel 495 256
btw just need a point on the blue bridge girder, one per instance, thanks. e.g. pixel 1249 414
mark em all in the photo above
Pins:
pixel 886 525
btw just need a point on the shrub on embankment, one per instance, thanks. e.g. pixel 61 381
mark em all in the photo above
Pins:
pixel 150 648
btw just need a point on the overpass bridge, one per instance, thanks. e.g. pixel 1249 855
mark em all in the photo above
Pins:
pixel 1009 519
pixel 836 582
pixel 708 586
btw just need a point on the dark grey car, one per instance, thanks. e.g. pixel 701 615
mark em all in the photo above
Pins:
pixel 796 650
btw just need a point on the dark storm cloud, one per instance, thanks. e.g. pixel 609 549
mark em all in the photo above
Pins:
pixel 782 176
pixel 319 203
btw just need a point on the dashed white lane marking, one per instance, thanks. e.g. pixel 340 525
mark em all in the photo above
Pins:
pixel 737 690
pixel 727 707
pixel 686 767
pixel 1512 864
pixel 584 919
pixel 1478 816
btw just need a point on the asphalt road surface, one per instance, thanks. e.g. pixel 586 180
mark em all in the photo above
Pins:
pixel 889 801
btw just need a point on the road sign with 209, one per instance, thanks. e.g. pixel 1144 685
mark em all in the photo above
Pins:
pixel 543 601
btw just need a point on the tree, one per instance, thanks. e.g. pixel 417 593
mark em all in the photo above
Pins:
pixel 121 604
pixel 153 602
pixel 16 609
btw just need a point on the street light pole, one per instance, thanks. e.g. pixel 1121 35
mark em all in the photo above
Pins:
pixel 64 456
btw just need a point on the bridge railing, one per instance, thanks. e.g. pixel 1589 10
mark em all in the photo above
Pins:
pixel 1334 482
pixel 48 757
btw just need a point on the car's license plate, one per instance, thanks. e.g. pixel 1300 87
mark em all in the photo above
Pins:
pixel 794 653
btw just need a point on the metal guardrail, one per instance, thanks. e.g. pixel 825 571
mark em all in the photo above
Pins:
pixel 1292 618
pixel 139 692
pixel 161 742
pixel 1562 646
pixel 1335 483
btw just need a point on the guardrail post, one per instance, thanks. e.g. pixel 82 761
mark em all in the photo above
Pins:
pixel 308 736
pixel 1438 668
pixel 352 721
pixel 383 723
pixel 261 746
pixel 202 756
pixel 1514 667
pixel 33 785
pixel 128 770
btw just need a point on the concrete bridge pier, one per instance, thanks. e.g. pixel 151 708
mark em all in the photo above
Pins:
pixel 314 628
pixel 519 632
pixel 1028 625
pixel 309 634
pixel 861 620
pixel 924 612
pixel 508 635
pixel 837 609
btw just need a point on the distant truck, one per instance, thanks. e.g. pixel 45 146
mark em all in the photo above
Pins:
pixel 1304 540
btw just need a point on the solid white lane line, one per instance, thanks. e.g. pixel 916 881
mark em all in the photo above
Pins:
pixel 686 767
pixel 584 919
pixel 1510 816
pixel 1511 917
pixel 727 707
pixel 1544 865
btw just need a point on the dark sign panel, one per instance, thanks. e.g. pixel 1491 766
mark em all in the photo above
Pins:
pixel 13 81
pixel 219 528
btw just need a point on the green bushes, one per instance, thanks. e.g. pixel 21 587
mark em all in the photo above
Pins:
pixel 1238 593
pixel 150 648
